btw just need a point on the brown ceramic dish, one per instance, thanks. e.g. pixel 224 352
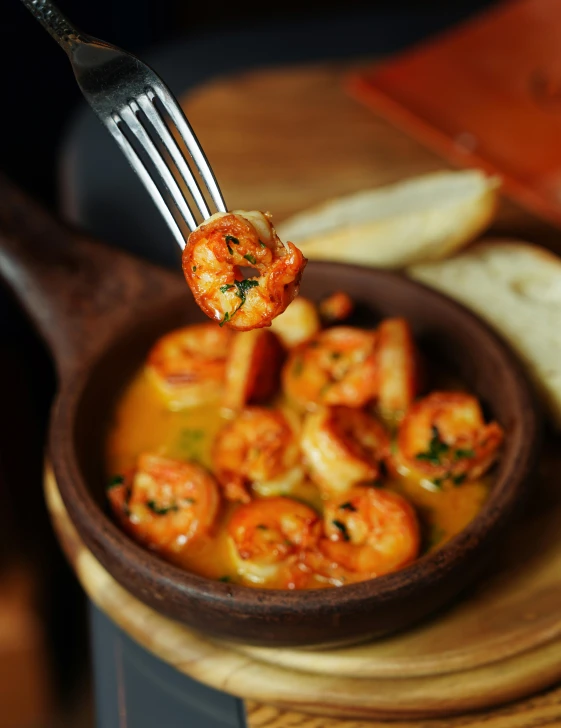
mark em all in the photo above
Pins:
pixel 99 310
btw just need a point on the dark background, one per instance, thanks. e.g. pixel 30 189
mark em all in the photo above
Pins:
pixel 39 99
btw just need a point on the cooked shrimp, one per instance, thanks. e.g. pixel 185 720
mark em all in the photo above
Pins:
pixel 258 447
pixel 397 368
pixel 253 368
pixel 444 436
pixel 269 538
pixel 370 531
pixel 298 323
pixel 188 365
pixel 165 503
pixel 212 261
pixel 336 307
pixel 337 366
pixel 343 447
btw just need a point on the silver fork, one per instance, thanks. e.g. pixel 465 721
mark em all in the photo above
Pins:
pixel 142 116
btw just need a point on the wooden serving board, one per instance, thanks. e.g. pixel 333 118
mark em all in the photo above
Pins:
pixel 501 643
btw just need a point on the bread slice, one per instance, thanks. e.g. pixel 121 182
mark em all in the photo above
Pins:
pixel 516 287
pixel 424 218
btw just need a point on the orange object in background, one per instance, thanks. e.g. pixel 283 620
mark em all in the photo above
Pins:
pixel 486 94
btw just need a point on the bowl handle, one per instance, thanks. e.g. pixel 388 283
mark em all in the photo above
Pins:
pixel 77 292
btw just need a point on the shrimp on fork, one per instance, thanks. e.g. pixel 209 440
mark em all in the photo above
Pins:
pixel 214 256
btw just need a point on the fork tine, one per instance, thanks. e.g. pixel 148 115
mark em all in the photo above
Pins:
pixel 153 115
pixel 128 115
pixel 191 141
pixel 139 167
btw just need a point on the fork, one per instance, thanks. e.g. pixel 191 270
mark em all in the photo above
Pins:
pixel 143 117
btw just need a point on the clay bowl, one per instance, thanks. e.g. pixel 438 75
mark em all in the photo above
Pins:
pixel 100 310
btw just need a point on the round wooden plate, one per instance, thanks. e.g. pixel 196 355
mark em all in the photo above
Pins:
pixel 501 643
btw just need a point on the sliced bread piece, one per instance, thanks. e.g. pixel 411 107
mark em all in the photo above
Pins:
pixel 516 287
pixel 424 218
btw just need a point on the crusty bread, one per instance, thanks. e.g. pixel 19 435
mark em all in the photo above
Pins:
pixel 516 287
pixel 424 218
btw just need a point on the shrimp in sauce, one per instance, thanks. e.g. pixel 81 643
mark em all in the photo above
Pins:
pixel 165 503
pixel 188 365
pixel 343 447
pixel 370 531
pixel 336 307
pixel 270 538
pixel 214 256
pixel 337 366
pixel 397 368
pixel 253 368
pixel 298 323
pixel 445 437
pixel 258 448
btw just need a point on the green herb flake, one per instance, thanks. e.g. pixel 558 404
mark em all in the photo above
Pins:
pixel 232 239
pixel 438 482
pixel 261 527
pixel 115 481
pixel 225 579
pixel 229 248
pixel 161 510
pixel 226 287
pixel 459 479
pixel 194 268
pixel 262 244
pixel 461 454
pixel 348 506
pixel 340 526
pixel 437 448
pixel 243 287
pixel 225 319
pixel 250 258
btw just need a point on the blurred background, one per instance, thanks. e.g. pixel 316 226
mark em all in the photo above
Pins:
pixel 44 672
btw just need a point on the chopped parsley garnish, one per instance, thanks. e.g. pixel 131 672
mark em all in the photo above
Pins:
pixel 243 287
pixel 115 481
pixel 437 448
pixel 261 526
pixel 340 526
pixel 250 258
pixel 348 506
pixel 161 510
pixel 438 482
pixel 262 244
pixel 225 579
pixel 229 248
pixel 194 268
pixel 459 479
pixel 232 239
pixel 460 454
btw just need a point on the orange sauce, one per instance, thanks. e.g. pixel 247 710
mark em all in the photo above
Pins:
pixel 142 422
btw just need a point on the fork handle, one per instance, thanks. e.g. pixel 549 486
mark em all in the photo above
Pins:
pixel 61 29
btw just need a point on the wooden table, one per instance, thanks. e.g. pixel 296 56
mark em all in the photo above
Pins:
pixel 284 139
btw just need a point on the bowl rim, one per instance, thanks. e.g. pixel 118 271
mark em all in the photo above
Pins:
pixel 112 546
